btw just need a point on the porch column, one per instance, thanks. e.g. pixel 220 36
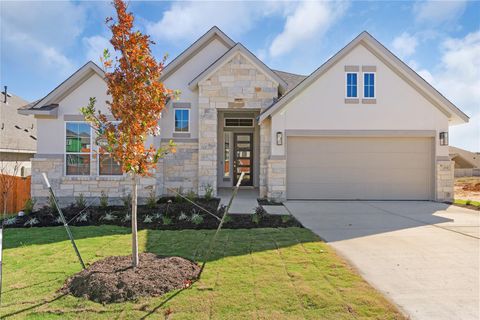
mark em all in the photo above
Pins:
pixel 207 143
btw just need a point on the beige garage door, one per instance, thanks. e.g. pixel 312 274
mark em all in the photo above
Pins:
pixel 359 168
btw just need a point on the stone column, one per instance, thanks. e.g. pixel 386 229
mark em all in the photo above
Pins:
pixel 444 180
pixel 277 179
pixel 265 146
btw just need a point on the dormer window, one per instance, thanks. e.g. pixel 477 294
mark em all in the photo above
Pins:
pixel 352 85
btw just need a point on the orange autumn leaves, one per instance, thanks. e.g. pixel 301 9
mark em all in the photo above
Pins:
pixel 137 97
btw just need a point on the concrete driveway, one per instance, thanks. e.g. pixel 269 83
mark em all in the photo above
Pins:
pixel 424 256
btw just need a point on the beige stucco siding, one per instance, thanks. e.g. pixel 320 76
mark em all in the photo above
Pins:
pixel 322 105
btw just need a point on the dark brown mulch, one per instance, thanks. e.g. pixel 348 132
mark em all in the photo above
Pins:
pixel 114 280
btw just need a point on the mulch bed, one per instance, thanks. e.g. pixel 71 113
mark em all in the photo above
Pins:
pixel 471 187
pixel 168 214
pixel 114 280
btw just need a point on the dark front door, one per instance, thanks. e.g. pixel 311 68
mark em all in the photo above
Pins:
pixel 243 158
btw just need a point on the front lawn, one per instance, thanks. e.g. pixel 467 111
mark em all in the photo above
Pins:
pixel 285 273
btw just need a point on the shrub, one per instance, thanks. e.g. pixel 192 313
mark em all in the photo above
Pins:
pixel 191 195
pixel 127 201
pixel 468 202
pixel 128 217
pixel 103 200
pixel 227 218
pixel 80 201
pixel 51 203
pixel 158 216
pixel 28 206
pixel 178 195
pixel 183 217
pixel 286 218
pixel 166 220
pixel 208 191
pixel 108 217
pixel 151 200
pixel 82 218
pixel 10 221
pixel 31 222
pixel 148 219
pixel 256 218
pixel 196 218
pixel 58 220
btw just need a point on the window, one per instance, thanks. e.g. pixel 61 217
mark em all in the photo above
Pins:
pixel 182 120
pixel 369 85
pixel 77 148
pixel 107 166
pixel 226 155
pixel 238 122
pixel 352 85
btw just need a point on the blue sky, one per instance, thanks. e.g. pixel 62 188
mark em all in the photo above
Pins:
pixel 43 42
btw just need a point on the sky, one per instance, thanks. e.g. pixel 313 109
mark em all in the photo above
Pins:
pixel 44 42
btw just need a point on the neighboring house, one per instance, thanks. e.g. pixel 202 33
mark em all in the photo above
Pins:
pixel 18 142
pixel 467 164
pixel 362 126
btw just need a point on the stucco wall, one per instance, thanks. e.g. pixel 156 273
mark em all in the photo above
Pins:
pixel 322 105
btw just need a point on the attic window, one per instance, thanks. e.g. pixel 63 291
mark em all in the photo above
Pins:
pixel 238 122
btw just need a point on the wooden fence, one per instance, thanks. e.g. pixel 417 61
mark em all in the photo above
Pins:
pixel 18 195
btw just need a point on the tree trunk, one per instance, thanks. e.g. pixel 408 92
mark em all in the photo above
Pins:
pixel 134 222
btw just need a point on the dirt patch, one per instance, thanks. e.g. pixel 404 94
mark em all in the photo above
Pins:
pixel 114 280
pixel 467 188
pixel 471 187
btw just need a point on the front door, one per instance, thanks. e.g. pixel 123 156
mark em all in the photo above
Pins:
pixel 243 158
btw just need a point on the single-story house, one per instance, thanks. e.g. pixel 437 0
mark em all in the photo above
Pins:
pixel 18 136
pixel 362 126
pixel 467 164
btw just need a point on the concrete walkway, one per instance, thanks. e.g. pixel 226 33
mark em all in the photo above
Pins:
pixel 424 256
pixel 244 202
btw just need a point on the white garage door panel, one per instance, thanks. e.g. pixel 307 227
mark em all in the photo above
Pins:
pixel 359 168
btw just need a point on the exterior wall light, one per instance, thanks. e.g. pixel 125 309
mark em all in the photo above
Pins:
pixel 279 138
pixel 443 138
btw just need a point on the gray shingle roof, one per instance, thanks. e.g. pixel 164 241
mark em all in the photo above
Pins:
pixel 291 79
pixel 16 131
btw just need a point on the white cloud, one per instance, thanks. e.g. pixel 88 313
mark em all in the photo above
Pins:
pixel 309 19
pixel 95 46
pixel 458 78
pixel 37 33
pixel 437 12
pixel 405 45
pixel 189 20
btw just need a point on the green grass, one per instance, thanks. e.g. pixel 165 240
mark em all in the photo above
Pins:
pixel 467 202
pixel 253 274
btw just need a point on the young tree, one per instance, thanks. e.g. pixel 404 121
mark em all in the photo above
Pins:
pixel 137 100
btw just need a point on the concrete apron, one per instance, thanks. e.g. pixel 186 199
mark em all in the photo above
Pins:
pixel 424 256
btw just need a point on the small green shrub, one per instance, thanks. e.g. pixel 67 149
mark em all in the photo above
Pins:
pixel 28 206
pixel 158 216
pixel 31 222
pixel 256 218
pixel 148 219
pixel 103 200
pixel 166 220
pixel 286 218
pixel 196 219
pixel 183 217
pixel 58 220
pixel 191 195
pixel 80 201
pixel 82 218
pixel 10 221
pixel 128 217
pixel 227 219
pixel 208 191
pixel 151 200
pixel 178 195
pixel 468 202
pixel 108 217
pixel 127 201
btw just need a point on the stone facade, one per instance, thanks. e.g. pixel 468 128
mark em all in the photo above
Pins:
pixel 445 180
pixel 67 188
pixel 238 84
pixel 179 171
pixel 265 145
pixel 277 179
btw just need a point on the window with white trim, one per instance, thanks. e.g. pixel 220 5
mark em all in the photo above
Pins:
pixel 182 120
pixel 78 140
pixel 107 165
pixel 369 85
pixel 351 85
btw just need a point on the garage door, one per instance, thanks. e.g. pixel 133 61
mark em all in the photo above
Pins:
pixel 359 168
